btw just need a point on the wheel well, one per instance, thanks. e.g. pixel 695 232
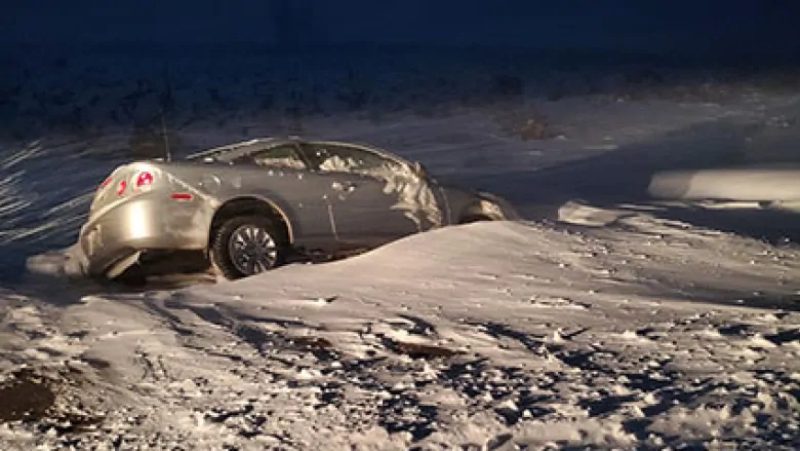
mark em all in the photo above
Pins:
pixel 252 206
pixel 476 212
pixel 468 218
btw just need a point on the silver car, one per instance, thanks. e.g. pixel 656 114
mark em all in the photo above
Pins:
pixel 248 206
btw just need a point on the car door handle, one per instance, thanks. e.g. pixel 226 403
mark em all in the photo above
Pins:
pixel 344 186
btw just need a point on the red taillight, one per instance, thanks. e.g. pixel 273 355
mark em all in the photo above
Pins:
pixel 121 187
pixel 182 196
pixel 105 183
pixel 144 179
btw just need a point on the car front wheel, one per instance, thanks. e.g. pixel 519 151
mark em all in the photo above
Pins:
pixel 246 245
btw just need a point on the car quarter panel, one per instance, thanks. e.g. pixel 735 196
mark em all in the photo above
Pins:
pixel 148 221
pixel 300 196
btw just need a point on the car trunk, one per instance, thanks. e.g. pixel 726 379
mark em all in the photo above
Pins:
pixel 124 182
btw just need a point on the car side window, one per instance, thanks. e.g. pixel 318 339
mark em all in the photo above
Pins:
pixel 337 158
pixel 282 157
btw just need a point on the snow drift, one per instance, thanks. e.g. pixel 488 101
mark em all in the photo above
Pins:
pixel 760 185
pixel 485 335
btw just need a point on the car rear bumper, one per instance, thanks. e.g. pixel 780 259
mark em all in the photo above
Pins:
pixel 114 237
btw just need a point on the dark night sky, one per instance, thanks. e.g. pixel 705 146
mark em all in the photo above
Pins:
pixel 698 26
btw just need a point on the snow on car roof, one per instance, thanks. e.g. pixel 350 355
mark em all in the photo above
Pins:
pixel 230 151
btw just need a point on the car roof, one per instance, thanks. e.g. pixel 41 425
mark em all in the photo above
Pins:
pixel 230 152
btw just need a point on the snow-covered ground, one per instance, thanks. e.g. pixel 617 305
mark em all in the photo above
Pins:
pixel 601 320
pixel 487 335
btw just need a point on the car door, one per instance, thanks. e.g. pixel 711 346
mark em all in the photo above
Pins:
pixel 368 194
pixel 280 173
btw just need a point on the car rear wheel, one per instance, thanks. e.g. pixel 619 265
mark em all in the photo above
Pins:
pixel 246 245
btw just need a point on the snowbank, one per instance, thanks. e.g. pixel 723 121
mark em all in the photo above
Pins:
pixel 767 185
pixel 490 334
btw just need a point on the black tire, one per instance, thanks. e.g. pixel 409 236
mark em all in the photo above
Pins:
pixel 221 252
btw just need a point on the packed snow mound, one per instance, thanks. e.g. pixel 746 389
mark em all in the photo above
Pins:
pixel 777 185
pixel 485 335
pixel 67 262
pixel 580 213
pixel 639 248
